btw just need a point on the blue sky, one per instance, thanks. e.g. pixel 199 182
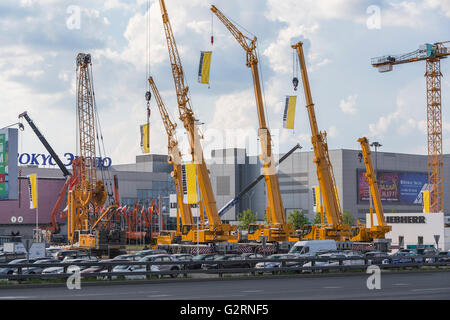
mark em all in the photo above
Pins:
pixel 37 70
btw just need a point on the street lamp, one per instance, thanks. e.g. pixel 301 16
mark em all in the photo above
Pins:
pixel 377 145
pixel 21 127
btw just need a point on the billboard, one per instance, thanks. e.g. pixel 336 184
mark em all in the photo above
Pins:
pixel 8 164
pixel 395 187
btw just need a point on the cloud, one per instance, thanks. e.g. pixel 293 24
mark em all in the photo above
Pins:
pixel 348 105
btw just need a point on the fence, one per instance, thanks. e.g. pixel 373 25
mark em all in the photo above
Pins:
pixel 253 266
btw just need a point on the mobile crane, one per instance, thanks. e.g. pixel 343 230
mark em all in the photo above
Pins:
pixel 87 194
pixel 277 230
pixel 335 228
pixel 432 54
pixel 174 158
pixel 55 228
pixel 215 231
pixel 375 231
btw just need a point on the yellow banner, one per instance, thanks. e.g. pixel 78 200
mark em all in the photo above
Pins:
pixel 317 200
pixel 32 189
pixel 289 112
pixel 189 177
pixel 426 201
pixel 145 138
pixel 204 66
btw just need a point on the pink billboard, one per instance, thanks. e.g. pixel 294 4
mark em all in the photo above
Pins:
pixel 388 184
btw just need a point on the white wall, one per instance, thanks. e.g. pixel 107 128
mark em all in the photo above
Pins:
pixel 434 225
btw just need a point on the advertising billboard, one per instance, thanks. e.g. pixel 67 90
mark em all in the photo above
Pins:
pixel 395 187
pixel 8 164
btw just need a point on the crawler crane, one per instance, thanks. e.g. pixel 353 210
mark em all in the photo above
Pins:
pixel 277 230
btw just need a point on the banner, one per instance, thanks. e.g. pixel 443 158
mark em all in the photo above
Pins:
pixel 189 176
pixel 204 66
pixel 8 164
pixel 32 189
pixel 289 112
pixel 317 201
pixel 145 138
pixel 426 201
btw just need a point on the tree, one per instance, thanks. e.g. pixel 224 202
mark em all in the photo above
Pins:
pixel 246 218
pixel 347 216
pixel 317 218
pixel 297 219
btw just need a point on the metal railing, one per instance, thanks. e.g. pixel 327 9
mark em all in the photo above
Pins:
pixel 342 264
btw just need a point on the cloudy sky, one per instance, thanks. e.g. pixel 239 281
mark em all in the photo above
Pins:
pixel 39 41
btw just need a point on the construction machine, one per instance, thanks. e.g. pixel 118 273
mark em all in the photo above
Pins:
pixel 334 228
pixel 375 231
pixel 432 54
pixel 174 158
pixel 54 228
pixel 87 194
pixel 215 230
pixel 276 229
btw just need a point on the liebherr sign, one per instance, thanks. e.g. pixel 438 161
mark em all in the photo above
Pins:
pixel 45 159
pixel 405 219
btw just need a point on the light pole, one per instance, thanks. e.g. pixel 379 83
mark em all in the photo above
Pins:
pixel 376 145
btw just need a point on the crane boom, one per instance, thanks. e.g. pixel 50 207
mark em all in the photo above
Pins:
pixel 322 160
pixel 276 208
pixel 432 54
pixel 174 156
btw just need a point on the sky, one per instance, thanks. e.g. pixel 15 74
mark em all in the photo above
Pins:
pixel 39 41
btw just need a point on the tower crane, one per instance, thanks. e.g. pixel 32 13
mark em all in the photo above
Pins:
pixel 335 227
pixel 87 193
pixel 375 231
pixel 278 229
pixel 216 231
pixel 187 220
pixel 432 54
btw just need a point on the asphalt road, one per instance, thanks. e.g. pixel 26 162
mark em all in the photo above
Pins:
pixel 405 285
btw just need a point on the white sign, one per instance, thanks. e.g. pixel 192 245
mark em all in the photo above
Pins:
pixel 37 250
pixel 173 205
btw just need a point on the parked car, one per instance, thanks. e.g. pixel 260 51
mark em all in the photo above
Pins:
pixel 375 257
pixel 150 252
pixel 199 260
pixel 52 251
pixel 7 257
pixel 70 269
pixel 81 257
pixel 10 270
pixel 162 267
pixel 132 257
pixel 276 264
pixel 235 262
pixel 183 256
pixel 442 256
pixel 401 257
pixel 60 255
pixel 37 270
pixel 332 256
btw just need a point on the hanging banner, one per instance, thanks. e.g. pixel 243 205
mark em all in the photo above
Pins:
pixel 145 138
pixel 189 175
pixel 317 201
pixel 204 66
pixel 426 201
pixel 289 112
pixel 32 190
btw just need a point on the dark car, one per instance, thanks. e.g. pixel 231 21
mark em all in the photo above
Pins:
pixel 10 269
pixel 37 270
pixel 402 257
pixel 233 261
pixel 198 260
pixel 71 254
pixel 183 256
pixel 149 252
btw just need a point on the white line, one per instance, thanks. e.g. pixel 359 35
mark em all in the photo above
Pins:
pixel 431 289
pixel 400 284
pixel 159 295
pixel 252 291
pixel 18 297
pixel 331 287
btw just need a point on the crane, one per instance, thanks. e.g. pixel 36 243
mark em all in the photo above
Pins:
pixel 335 228
pixel 277 229
pixel 432 54
pixel 216 231
pixel 375 231
pixel 69 178
pixel 187 220
pixel 87 194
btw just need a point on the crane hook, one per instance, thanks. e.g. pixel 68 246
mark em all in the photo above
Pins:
pixel 295 83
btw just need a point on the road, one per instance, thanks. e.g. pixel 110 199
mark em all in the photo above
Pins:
pixel 405 285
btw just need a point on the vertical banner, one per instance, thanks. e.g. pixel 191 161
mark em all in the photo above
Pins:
pixel 204 67
pixel 32 189
pixel 145 138
pixel 8 164
pixel 3 166
pixel 289 112
pixel 426 201
pixel 317 201
pixel 189 174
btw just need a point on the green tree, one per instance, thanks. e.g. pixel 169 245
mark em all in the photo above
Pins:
pixel 347 216
pixel 246 218
pixel 317 218
pixel 297 219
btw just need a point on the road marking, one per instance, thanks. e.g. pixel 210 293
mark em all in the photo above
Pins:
pixel 18 297
pixel 431 289
pixel 331 287
pixel 251 291
pixel 159 295
pixel 400 284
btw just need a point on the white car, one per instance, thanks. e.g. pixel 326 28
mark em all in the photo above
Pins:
pixel 70 269
pixel 274 264
pixel 326 263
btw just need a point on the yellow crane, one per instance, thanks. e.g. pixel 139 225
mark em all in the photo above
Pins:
pixel 184 209
pixel 375 231
pixel 335 227
pixel 87 193
pixel 215 231
pixel 432 54
pixel 277 229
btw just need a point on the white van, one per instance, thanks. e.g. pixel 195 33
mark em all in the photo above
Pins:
pixel 312 246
